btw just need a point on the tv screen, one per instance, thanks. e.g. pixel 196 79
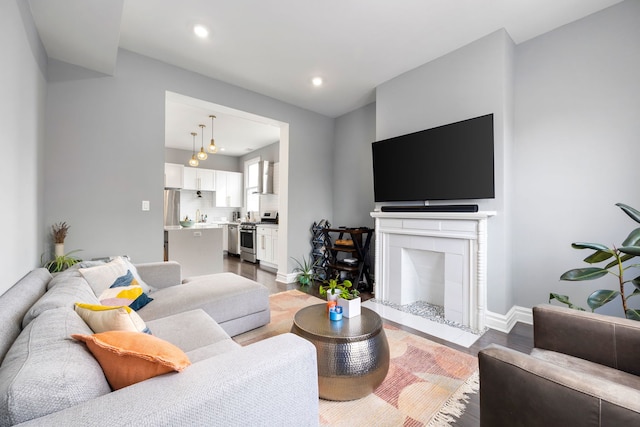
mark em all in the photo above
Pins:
pixel 450 162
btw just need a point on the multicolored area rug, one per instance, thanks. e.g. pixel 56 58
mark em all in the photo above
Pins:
pixel 428 384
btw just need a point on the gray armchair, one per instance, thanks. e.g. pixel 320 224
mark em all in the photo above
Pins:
pixel 583 371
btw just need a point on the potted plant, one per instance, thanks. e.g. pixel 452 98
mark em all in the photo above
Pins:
pixel 61 262
pixel 349 299
pixel 59 233
pixel 332 291
pixel 306 271
pixel 617 266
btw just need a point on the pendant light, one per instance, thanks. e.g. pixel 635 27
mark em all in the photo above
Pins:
pixel 202 155
pixel 212 145
pixel 194 160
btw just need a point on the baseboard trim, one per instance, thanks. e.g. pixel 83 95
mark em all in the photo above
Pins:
pixel 286 277
pixel 505 322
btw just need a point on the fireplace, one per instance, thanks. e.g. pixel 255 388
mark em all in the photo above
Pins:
pixel 436 257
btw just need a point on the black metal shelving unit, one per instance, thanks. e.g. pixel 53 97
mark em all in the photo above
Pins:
pixel 319 252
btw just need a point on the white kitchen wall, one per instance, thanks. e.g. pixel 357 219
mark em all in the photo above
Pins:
pixel 190 203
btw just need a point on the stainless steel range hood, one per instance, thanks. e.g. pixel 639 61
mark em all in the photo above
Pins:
pixel 266 177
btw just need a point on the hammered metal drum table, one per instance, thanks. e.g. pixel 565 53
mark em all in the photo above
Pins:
pixel 353 353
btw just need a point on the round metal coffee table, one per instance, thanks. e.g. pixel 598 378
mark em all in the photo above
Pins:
pixel 353 353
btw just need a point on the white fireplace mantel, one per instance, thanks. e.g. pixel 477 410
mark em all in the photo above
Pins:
pixel 459 240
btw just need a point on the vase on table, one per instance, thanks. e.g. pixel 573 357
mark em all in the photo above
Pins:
pixel 332 297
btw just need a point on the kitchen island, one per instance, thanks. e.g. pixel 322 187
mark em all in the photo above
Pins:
pixel 198 249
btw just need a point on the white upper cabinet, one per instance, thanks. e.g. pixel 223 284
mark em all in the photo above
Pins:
pixel 228 189
pixel 199 179
pixel 173 175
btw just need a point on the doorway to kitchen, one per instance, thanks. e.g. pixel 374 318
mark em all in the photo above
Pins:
pixel 177 104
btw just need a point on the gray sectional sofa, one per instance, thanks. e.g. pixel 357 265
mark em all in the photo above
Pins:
pixel 47 378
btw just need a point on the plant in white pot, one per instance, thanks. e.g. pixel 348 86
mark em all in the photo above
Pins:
pixel 332 291
pixel 349 299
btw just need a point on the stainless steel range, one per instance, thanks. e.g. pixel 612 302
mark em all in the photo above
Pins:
pixel 248 242
pixel 248 236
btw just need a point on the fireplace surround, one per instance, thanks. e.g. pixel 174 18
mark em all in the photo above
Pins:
pixel 437 257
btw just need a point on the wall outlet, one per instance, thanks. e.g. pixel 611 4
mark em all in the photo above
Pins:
pixel 145 205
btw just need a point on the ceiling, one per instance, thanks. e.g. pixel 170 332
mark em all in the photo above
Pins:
pixel 276 47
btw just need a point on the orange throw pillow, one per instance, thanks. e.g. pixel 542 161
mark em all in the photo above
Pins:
pixel 130 357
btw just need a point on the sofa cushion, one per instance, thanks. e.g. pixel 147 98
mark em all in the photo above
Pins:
pixel 223 296
pixel 202 330
pixel 130 357
pixel 65 290
pixel 45 371
pixel 15 303
pixel 103 318
pixel 587 368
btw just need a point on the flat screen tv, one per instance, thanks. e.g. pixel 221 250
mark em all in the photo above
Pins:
pixel 450 162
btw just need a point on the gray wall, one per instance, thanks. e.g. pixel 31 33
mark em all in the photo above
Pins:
pixel 353 169
pixel 105 153
pixel 23 89
pixel 469 82
pixel 214 161
pixel 577 149
pixel 271 153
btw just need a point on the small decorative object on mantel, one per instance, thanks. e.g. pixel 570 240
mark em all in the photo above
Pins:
pixel 61 261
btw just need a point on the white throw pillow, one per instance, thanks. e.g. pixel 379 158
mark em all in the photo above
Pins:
pixel 103 276
pixel 102 318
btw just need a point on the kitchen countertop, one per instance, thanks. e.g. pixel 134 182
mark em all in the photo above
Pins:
pixel 196 226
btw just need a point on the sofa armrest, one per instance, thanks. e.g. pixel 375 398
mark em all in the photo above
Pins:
pixel 605 340
pixel 160 274
pixel 518 389
pixel 273 382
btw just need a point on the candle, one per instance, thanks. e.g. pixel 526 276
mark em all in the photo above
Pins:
pixel 334 314
pixel 330 304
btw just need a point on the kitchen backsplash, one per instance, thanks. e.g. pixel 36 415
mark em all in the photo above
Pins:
pixel 190 203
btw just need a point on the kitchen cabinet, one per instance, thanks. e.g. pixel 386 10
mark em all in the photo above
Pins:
pixel 267 242
pixel 199 179
pixel 173 175
pixel 228 189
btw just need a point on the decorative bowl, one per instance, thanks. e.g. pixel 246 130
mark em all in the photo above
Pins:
pixel 186 223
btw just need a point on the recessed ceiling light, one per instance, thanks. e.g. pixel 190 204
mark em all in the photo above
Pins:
pixel 222 149
pixel 201 31
pixel 316 81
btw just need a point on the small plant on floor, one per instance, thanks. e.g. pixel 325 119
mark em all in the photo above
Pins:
pixel 306 271
pixel 630 249
pixel 62 262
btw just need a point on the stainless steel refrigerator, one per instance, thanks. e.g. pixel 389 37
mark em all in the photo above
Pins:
pixel 171 206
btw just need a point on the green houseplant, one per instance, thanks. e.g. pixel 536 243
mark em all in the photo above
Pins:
pixel 618 263
pixel 61 260
pixel 306 271
pixel 335 289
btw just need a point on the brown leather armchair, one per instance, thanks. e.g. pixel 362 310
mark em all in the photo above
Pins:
pixel 583 371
